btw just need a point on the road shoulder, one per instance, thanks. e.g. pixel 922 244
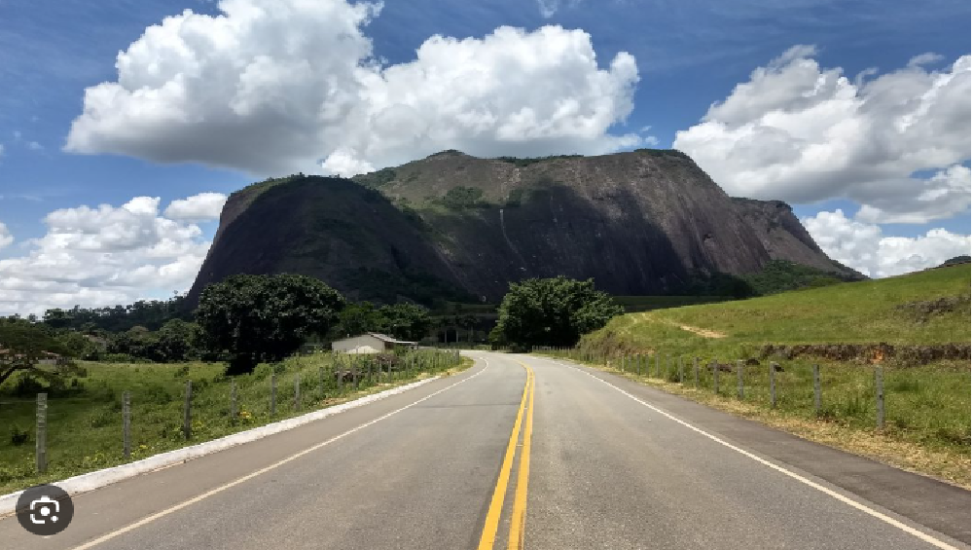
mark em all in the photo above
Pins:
pixel 929 502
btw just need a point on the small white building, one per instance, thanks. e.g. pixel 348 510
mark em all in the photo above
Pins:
pixel 370 342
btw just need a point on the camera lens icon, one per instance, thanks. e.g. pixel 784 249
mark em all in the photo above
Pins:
pixel 46 507
pixel 44 510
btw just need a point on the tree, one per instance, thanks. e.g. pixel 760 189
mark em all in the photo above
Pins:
pixel 175 341
pixel 23 345
pixel 469 322
pixel 57 318
pixel 552 312
pixel 358 318
pixel 258 318
pixel 406 321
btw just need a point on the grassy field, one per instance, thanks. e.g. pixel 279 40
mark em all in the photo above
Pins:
pixel 634 304
pixel 927 403
pixel 85 423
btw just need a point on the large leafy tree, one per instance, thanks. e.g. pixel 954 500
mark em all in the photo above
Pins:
pixel 358 318
pixel 255 318
pixel 406 321
pixel 551 312
pixel 27 346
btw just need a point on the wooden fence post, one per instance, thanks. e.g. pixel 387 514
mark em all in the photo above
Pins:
pixel 658 371
pixel 680 370
pixel 740 380
pixel 41 443
pixel 187 411
pixel 273 394
pixel 320 382
pixel 297 391
pixel 716 376
pixel 696 372
pixel 773 386
pixel 817 391
pixel 234 413
pixel 879 399
pixel 126 424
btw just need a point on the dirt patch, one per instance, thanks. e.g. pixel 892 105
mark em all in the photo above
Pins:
pixel 871 353
pixel 705 333
pixel 923 311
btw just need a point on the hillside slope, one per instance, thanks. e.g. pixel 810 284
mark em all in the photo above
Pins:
pixel 929 308
pixel 645 222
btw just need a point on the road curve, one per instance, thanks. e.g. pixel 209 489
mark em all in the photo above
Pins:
pixel 532 452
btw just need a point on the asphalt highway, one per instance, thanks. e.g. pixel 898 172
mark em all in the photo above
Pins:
pixel 519 452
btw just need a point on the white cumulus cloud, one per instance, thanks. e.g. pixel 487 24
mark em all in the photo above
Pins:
pixel 802 133
pixel 104 255
pixel 865 248
pixel 273 87
pixel 6 239
pixel 201 207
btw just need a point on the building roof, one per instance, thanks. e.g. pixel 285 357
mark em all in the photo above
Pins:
pixel 388 339
pixel 379 336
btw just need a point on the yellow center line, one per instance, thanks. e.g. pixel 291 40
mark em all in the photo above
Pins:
pixel 496 502
pixel 519 515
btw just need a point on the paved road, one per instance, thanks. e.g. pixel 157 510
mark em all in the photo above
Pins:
pixel 520 451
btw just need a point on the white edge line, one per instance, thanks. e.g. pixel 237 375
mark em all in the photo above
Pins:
pixel 91 481
pixel 265 469
pixel 831 493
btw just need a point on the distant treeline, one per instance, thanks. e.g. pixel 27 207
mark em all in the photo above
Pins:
pixel 149 314
pixel 166 332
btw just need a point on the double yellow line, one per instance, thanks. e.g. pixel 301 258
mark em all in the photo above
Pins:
pixel 525 416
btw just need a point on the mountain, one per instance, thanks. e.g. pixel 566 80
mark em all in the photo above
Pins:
pixel 462 228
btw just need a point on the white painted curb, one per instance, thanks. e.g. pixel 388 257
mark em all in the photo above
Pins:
pixel 100 478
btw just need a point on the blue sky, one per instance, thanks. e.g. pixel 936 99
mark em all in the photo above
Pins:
pixel 688 55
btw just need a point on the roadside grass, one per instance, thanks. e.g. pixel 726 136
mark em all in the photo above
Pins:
pixel 85 424
pixel 927 406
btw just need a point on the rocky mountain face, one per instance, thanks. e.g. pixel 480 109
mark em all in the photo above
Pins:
pixel 460 227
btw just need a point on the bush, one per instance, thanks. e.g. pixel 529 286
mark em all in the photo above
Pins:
pixel 458 198
pixel 27 386
pixel 18 436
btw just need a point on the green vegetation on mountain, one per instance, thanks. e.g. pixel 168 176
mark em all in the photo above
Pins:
pixel 522 162
pixel 458 198
pixel 376 180
pixel 958 260
pixel 782 275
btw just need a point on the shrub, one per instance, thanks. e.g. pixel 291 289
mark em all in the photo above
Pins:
pixel 18 436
